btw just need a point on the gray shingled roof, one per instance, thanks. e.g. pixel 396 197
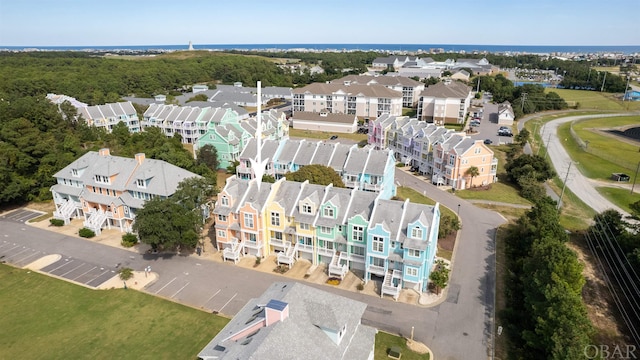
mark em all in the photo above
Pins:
pixel 282 340
pixel 388 213
pixel 455 89
pixel 382 80
pixel 376 162
pixel 379 91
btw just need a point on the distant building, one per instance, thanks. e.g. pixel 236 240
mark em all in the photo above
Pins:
pixel 505 114
pixel 291 320
pixel 409 88
pixel 108 115
pixel 324 121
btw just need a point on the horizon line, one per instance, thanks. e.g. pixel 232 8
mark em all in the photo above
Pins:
pixel 363 44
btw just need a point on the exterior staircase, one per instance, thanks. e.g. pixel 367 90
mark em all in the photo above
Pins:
pixel 289 255
pixel 65 211
pixel 337 267
pixel 95 221
pixel 388 287
pixel 233 252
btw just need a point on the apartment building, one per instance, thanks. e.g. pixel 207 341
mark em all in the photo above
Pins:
pixel 446 102
pixel 363 101
pixel 347 229
pixel 108 115
pixel 444 154
pixel 107 190
pixel 409 88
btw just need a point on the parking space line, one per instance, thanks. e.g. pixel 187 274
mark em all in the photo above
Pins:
pixel 28 256
pixel 212 296
pixel 27 217
pixel 67 262
pixel 81 265
pixel 95 267
pixel 14 247
pixel 167 284
pixel 19 252
pixel 177 292
pixel 227 303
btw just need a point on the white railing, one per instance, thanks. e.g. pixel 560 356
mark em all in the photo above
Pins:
pixel 277 242
pixel 95 221
pixel 336 267
pixel 305 248
pixel 233 252
pixel 356 258
pixel 253 244
pixel 375 269
pixel 65 211
pixel 289 255
pixel 374 187
pixel 326 252
pixel 387 285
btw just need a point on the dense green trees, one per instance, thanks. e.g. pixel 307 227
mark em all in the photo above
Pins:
pixel 176 222
pixel 316 174
pixel 546 316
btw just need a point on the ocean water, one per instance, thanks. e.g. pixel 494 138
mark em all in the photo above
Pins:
pixel 529 49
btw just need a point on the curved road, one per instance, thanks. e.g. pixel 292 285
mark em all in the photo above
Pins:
pixel 579 184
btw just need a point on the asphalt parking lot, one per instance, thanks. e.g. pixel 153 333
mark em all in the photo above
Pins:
pixel 20 216
pixel 488 128
pixel 79 271
pixel 18 255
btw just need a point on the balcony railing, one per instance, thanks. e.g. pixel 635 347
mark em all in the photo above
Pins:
pixel 325 251
pixel 305 248
pixel 377 270
pixel 276 242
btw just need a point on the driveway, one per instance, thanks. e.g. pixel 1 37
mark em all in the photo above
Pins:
pixel 488 128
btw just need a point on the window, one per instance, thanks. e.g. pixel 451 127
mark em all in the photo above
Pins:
pixel 414 252
pixel 248 220
pixel 358 233
pixel 74 172
pixel 277 235
pixel 126 210
pixel 327 212
pixel 377 261
pixel 140 183
pixel 340 228
pixel 225 201
pixel 304 240
pixel 416 233
pixel 102 179
pixel 484 158
pixel 325 230
pixel 222 234
pixel 357 250
pixel 477 151
pixel 411 271
pixel 250 237
pixel 306 208
pixel 304 226
pixel 275 219
pixel 452 159
pixel 378 244
pixel 222 217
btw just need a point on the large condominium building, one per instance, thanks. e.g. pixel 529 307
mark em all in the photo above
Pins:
pixel 107 190
pixel 347 229
pixel 363 101
pixel 409 88
pixel 445 102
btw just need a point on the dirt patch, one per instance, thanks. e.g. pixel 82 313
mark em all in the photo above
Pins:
pixel 448 242
pixel 417 347
pixel 597 298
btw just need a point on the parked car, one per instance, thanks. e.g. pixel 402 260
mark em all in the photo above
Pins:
pixel 474 123
pixel 505 133
pixel 488 141
pixel 333 137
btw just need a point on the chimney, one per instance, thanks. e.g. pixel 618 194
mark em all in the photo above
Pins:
pixel 139 158
pixel 104 152
pixel 275 311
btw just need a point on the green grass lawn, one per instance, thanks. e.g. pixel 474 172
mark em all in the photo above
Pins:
pixel 384 342
pixel 500 191
pixel 45 318
pixel 620 197
pixel 324 135
pixel 594 100
pixel 416 197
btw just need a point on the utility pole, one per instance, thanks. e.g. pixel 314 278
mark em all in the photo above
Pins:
pixel 626 88
pixel 603 81
pixel 634 178
pixel 547 146
pixel 564 186
pixel 524 98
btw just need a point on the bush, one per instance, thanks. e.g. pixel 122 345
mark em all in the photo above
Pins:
pixel 56 222
pixel 360 287
pixel 86 233
pixel 128 240
pixel 333 281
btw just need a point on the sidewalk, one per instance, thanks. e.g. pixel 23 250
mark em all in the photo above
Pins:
pixel 301 270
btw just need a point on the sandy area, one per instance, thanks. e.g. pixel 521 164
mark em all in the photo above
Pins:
pixel 43 262
pixel 137 282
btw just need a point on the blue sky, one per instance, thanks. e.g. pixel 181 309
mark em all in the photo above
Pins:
pixel 161 22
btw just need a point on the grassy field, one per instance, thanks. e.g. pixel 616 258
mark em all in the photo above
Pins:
pixel 408 193
pixel 323 135
pixel 620 197
pixel 595 100
pixel 45 318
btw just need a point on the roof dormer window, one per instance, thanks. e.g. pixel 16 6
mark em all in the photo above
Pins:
pixel 416 233
pixel 306 208
pixel 141 183
pixel 102 179
pixel 225 201
pixel 74 172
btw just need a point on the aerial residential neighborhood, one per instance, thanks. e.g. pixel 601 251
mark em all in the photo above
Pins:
pixel 289 182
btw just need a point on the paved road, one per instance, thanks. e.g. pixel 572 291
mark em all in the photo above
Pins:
pixel 577 183
pixel 464 324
